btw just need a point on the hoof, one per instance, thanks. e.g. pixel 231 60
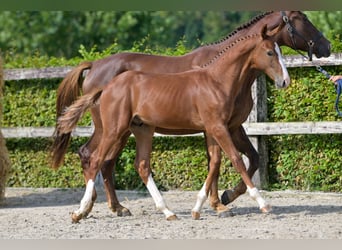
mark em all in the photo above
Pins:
pixel 76 218
pixel 266 209
pixel 123 212
pixel 226 197
pixel 220 208
pixel 195 215
pixel 172 217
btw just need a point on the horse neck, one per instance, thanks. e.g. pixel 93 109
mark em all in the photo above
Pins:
pixel 271 19
pixel 233 67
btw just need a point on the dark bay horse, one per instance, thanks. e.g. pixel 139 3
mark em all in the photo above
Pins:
pixel 203 99
pixel 298 32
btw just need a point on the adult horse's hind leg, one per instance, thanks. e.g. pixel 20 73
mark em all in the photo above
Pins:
pixel 244 145
pixel 143 135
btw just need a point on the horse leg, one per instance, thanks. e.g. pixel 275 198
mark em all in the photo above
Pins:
pixel 110 145
pixel 109 182
pixel 107 173
pixel 244 145
pixel 88 148
pixel 214 162
pixel 209 182
pixel 85 152
pixel 224 139
pixel 143 135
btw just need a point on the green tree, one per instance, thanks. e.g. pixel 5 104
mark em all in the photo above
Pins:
pixel 328 22
pixel 60 33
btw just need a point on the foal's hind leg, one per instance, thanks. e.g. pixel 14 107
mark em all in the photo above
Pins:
pixel 109 183
pixel 143 136
pixel 109 146
pixel 107 169
pixel 244 145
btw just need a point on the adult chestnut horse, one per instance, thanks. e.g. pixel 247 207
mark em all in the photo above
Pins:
pixel 202 99
pixel 298 33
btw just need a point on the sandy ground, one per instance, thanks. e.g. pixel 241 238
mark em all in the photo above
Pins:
pixel 45 214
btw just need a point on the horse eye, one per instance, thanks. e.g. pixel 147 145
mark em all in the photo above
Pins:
pixel 270 53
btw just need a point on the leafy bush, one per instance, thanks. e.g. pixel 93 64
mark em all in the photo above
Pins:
pixel 306 162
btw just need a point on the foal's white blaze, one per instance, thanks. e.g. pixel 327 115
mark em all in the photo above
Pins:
pixel 201 198
pixel 254 193
pixel 158 199
pixel 286 76
pixel 86 200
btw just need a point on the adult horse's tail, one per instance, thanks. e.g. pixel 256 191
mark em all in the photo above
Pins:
pixel 68 92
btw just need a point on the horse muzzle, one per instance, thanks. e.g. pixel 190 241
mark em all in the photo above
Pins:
pixel 282 83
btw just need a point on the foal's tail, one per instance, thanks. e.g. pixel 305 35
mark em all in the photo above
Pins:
pixel 68 121
pixel 68 91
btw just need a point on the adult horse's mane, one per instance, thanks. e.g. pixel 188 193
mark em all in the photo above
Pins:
pixel 241 27
pixel 229 46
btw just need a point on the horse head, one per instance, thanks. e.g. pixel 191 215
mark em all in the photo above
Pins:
pixel 270 60
pixel 300 34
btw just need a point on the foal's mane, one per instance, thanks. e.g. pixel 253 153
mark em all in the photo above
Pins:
pixel 229 46
pixel 241 27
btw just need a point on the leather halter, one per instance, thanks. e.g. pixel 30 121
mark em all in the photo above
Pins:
pixel 293 31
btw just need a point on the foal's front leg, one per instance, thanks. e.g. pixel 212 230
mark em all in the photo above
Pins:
pixel 244 145
pixel 223 137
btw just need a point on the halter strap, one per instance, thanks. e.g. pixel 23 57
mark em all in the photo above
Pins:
pixel 293 31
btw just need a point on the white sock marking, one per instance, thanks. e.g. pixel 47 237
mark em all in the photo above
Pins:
pixel 158 199
pixel 254 193
pixel 86 200
pixel 201 198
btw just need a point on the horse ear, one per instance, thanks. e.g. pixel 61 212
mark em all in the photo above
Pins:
pixel 264 32
pixel 276 29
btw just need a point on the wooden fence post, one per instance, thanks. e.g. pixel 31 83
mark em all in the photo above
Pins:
pixel 259 114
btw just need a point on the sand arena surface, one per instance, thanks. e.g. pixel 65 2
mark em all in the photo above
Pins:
pixel 45 214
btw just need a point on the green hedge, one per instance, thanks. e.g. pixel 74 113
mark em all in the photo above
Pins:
pixel 303 162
